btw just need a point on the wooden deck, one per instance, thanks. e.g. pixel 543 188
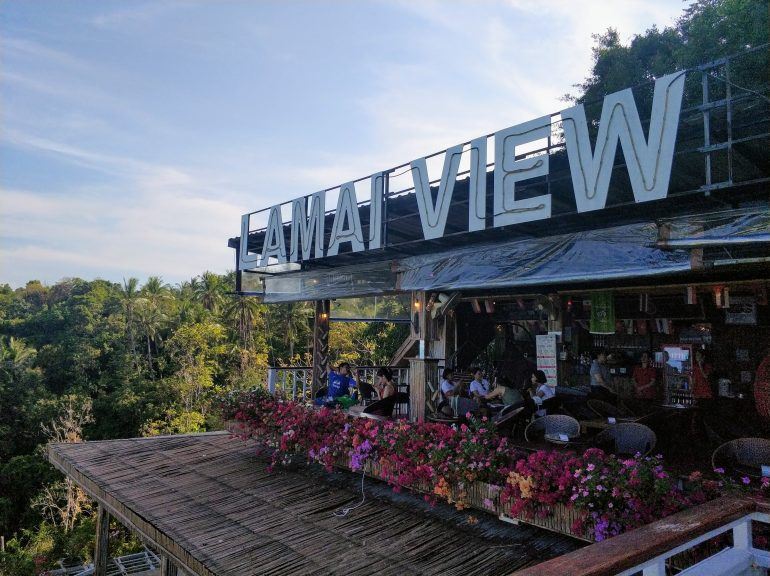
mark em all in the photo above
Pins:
pixel 208 502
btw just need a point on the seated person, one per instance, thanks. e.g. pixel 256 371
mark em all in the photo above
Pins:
pixel 447 383
pixel 479 387
pixel 542 390
pixel 384 385
pixel 505 393
pixel 645 379
pixel 339 381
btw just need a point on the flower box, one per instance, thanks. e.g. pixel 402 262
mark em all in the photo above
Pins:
pixel 556 518
pixel 590 496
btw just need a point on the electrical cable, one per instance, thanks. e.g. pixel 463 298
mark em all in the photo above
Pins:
pixel 341 513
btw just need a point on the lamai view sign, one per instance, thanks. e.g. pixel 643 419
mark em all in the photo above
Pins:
pixel 648 159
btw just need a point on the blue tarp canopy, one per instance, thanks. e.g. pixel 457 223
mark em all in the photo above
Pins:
pixel 621 252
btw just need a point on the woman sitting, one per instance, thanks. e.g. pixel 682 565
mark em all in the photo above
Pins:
pixel 543 390
pixel 385 386
pixel 505 393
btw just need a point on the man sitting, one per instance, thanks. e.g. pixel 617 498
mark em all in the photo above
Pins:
pixel 479 387
pixel 340 382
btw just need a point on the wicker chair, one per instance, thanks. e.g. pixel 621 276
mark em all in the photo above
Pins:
pixel 552 424
pixel 628 438
pixel 606 410
pixel 744 456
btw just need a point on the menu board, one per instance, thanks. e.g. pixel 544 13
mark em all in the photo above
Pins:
pixel 546 356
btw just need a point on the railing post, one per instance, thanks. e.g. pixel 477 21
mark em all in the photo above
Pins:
pixel 271 376
pixel 657 569
pixel 102 552
pixel 742 539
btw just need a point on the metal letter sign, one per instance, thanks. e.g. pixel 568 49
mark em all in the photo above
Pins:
pixel 433 216
pixel 649 160
pixel 307 228
pixel 275 245
pixel 508 171
pixel 347 210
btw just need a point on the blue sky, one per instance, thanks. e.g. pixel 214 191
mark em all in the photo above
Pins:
pixel 134 134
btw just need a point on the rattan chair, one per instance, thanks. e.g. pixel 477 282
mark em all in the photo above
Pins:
pixel 606 410
pixel 552 424
pixel 628 438
pixel 744 456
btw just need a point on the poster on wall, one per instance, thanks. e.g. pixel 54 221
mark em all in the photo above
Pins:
pixel 602 313
pixel 742 310
pixel 546 356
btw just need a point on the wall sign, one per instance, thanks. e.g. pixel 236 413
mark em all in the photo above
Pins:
pixel 546 356
pixel 648 159
pixel 742 310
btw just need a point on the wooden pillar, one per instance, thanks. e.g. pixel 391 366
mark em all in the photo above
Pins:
pixel 320 344
pixel 422 373
pixel 102 551
pixel 419 324
pixel 167 567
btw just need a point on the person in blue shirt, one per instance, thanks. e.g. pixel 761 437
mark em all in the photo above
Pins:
pixel 340 381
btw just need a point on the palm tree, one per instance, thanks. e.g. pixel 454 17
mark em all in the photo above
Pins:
pixel 155 289
pixel 14 355
pixel 243 311
pixel 210 291
pixel 130 294
pixel 151 318
pixel 290 321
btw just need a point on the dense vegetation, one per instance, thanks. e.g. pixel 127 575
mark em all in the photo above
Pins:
pixel 97 360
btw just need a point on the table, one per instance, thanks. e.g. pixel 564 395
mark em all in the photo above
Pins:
pixel 603 423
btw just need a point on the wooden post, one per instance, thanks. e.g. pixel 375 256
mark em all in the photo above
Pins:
pixel 419 323
pixel 167 567
pixel 102 551
pixel 320 344
pixel 422 371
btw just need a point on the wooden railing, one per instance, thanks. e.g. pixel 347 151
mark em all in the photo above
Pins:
pixel 648 550
pixel 295 382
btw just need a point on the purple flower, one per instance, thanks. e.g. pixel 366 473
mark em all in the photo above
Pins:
pixel 746 480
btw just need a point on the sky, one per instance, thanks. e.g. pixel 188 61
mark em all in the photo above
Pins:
pixel 134 134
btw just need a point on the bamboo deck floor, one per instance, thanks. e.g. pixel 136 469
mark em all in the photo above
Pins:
pixel 209 502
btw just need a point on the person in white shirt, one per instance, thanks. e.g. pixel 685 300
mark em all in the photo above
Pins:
pixel 447 383
pixel 479 386
pixel 543 390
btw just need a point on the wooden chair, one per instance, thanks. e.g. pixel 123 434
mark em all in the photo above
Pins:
pixel 367 391
pixel 507 421
pixel 552 424
pixel 628 438
pixel 402 404
pixel 744 456
pixel 383 408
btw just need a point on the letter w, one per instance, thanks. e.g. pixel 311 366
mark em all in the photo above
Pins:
pixel 648 161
